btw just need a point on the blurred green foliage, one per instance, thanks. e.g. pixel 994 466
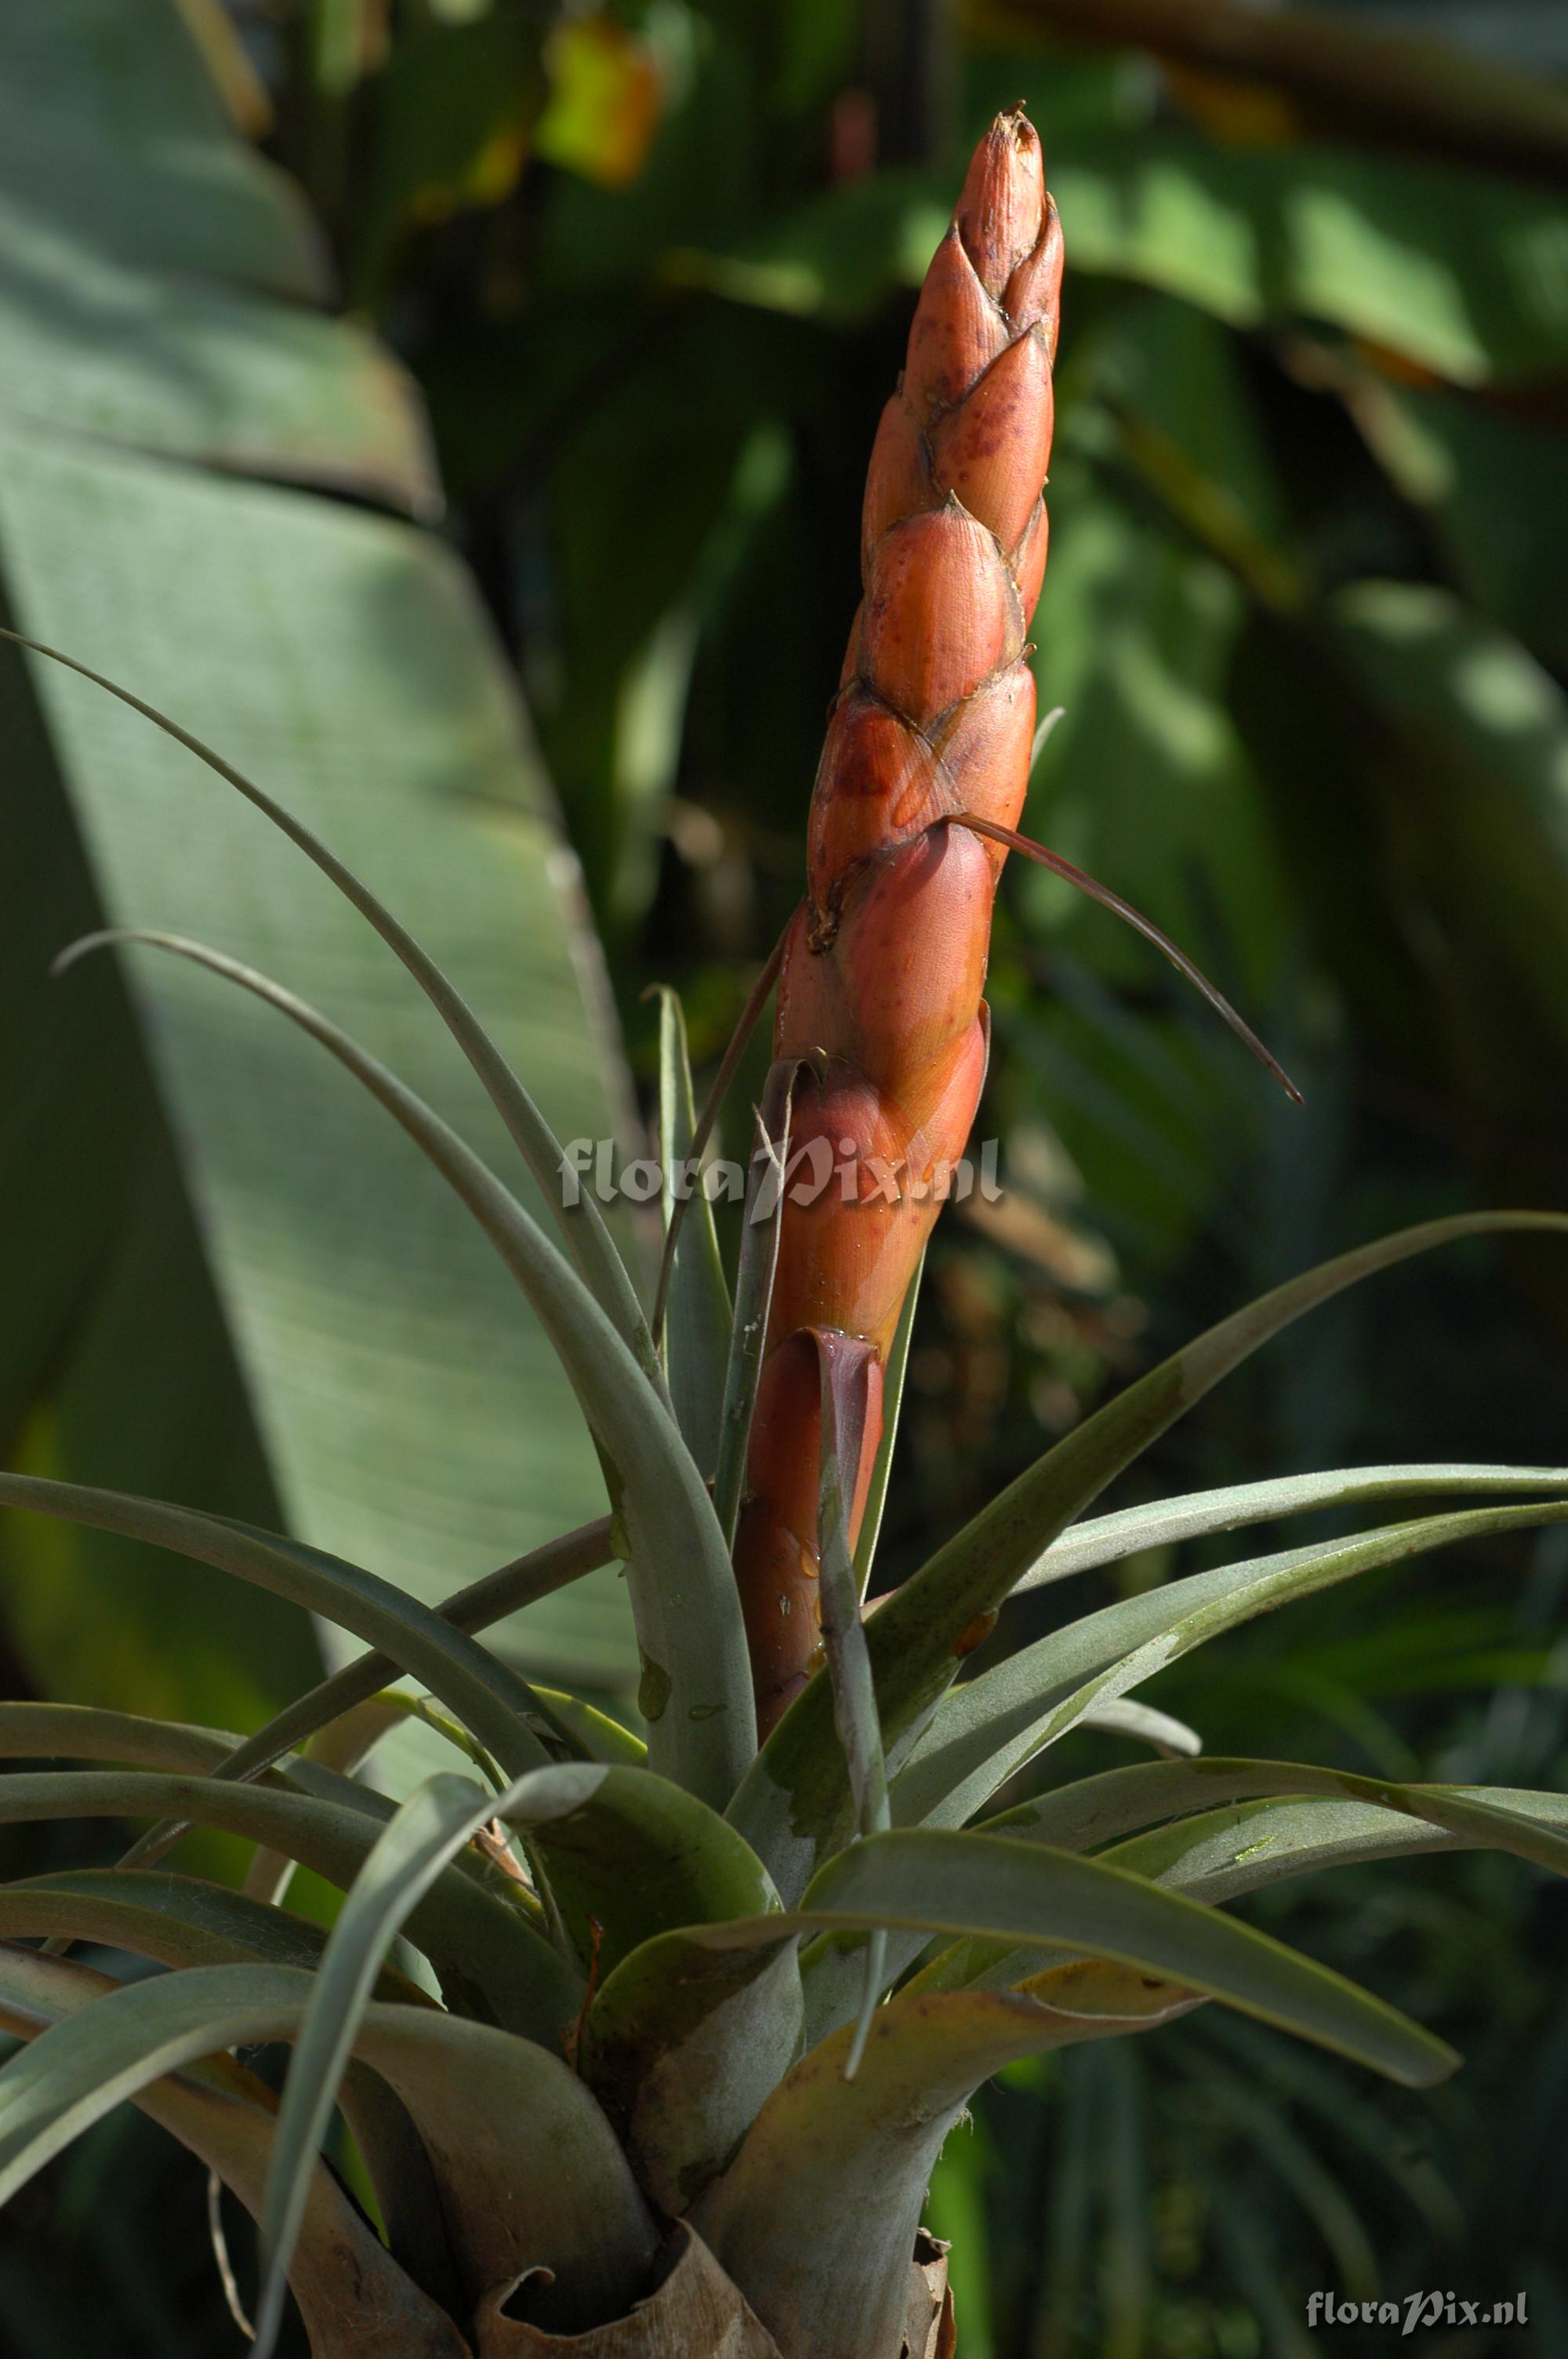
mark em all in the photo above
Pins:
pixel 651 267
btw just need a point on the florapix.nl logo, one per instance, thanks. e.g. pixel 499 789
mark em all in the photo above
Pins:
pixel 801 1175
pixel 1418 2310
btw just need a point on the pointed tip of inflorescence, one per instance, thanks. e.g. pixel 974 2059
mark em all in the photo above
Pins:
pixel 1001 210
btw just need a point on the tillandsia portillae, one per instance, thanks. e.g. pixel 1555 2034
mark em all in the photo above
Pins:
pixel 648 2048
pixel 917 801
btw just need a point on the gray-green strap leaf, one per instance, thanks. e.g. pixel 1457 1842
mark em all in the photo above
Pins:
pixel 793 1806
pixel 1165 1523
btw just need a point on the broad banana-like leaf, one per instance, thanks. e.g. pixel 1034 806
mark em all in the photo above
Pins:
pixel 347 2284
pixel 311 1314
pixel 836 2169
pixel 1165 1523
pixel 476 1938
pixel 529 2170
pixel 793 1806
pixel 992 1725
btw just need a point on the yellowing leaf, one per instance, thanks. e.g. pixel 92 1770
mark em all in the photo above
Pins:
pixel 606 96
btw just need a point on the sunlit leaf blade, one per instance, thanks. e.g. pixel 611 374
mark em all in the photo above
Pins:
pixel 1165 1523
pixel 968 1884
pixel 991 1726
pixel 599 1737
pixel 342 2276
pixel 476 1938
pixel 495 1703
pixel 581 1223
pixel 503 2120
pixel 1125 1716
pixel 793 1807
pixel 695 1337
pixel 345 658
pixel 1121 1920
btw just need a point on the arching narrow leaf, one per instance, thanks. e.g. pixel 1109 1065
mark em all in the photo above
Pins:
pixel 496 1704
pixel 475 1937
pixel 398 1872
pixel 682 1594
pixel 180 1920
pixel 346 2283
pixel 475 1607
pixel 1222 1854
pixel 965 1885
pixel 991 1726
pixel 627 1854
pixel 1165 1523
pixel 1219 1852
pixel 183 1922
pixel 530 2173
pixel 794 1805
pixel 845 1371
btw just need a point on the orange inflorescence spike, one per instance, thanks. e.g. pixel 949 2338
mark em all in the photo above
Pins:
pixel 880 991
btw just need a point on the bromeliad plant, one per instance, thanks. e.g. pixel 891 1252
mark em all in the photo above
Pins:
pixel 648 2049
